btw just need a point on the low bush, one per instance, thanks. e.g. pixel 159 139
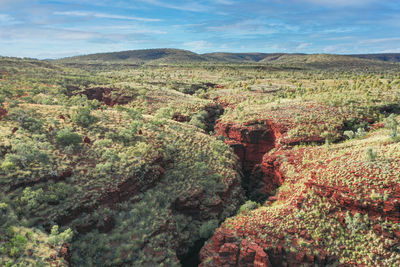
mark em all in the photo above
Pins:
pixel 57 238
pixel 26 119
pixel 66 137
pixel 208 228
pixel 248 206
pixel 82 117
pixel 24 153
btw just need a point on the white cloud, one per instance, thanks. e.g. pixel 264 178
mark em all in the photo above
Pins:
pixel 103 16
pixel 47 34
pixel 198 46
pixel 29 33
pixel 252 27
pixel 391 50
pixel 339 3
pixel 302 46
pixel 185 6
pixel 380 40
pixel 340 30
pixel 6 19
pixel 224 2
pixel 123 29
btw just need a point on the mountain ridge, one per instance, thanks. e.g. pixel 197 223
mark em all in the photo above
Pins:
pixel 179 56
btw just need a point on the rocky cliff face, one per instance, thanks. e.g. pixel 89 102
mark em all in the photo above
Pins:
pixel 336 206
pixel 250 143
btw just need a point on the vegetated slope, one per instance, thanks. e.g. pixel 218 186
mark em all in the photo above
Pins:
pixel 335 204
pixel 126 158
pixel 140 56
pixel 238 57
pixel 125 187
pixel 323 61
pixel 392 57
pixel 177 56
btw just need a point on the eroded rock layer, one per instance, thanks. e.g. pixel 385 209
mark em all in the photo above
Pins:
pixel 338 205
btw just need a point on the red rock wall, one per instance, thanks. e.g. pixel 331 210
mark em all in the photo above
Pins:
pixel 250 143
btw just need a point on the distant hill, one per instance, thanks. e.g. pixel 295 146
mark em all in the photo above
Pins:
pixel 238 57
pixel 322 61
pixel 390 57
pixel 174 56
pixel 166 55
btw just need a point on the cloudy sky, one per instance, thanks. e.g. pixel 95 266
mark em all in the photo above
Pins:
pixel 59 28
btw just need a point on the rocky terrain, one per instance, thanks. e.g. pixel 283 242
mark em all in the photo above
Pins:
pixel 225 164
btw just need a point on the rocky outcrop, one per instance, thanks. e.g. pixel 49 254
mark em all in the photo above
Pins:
pixel 225 249
pixel 324 189
pixel 3 113
pixel 108 96
pixel 251 142
pixel 231 252
pixel 198 207
pixel 388 209
pixel 112 195
pixel 180 118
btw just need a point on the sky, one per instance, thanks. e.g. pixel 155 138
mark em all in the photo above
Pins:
pixel 60 28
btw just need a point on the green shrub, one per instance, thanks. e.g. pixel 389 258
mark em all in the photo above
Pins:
pixel 57 238
pixel 3 206
pixel 392 124
pixel 248 206
pixel 199 120
pixel 371 154
pixel 208 228
pixel 165 113
pixel 7 166
pixel 15 245
pixel 26 119
pixel 31 198
pixel 82 117
pixel 25 153
pixel 66 137
pixel 350 134
pixel 360 132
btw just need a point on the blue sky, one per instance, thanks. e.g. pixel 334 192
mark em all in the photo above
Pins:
pixel 59 28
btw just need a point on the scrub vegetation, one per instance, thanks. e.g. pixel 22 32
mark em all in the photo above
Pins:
pixel 137 161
